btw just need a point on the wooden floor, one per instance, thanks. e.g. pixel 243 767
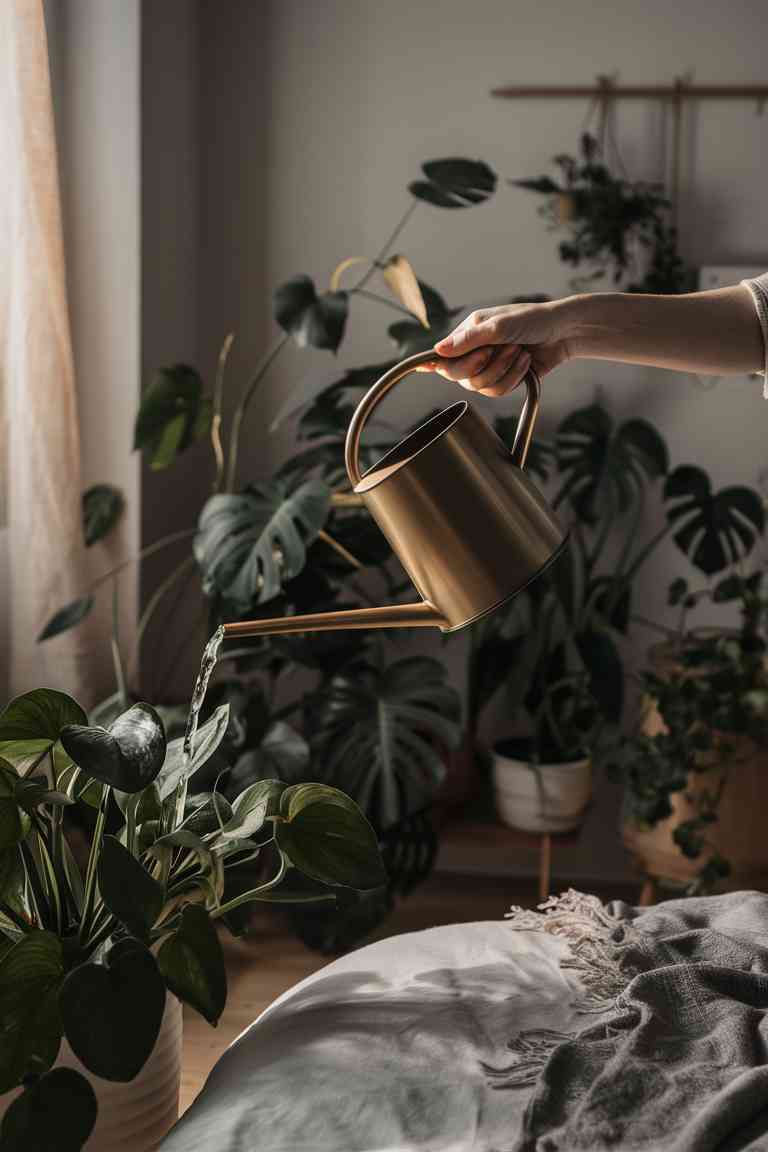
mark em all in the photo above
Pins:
pixel 272 961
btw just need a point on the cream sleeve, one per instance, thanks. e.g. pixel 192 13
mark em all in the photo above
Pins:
pixel 759 289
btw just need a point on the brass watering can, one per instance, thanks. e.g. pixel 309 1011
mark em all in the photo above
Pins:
pixel 466 521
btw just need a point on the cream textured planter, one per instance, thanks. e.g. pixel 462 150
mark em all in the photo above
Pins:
pixel 134 1117
pixel 541 797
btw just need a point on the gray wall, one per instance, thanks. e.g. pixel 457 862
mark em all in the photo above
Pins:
pixel 317 114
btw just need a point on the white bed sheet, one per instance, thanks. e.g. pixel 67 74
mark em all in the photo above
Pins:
pixel 394 1048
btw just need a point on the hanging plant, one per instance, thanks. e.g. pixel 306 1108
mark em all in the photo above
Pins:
pixel 608 219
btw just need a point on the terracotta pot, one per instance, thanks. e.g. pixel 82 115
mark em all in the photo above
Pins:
pixel 739 832
pixel 133 1117
pixel 540 797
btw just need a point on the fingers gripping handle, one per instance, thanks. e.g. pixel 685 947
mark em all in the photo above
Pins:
pixel 379 390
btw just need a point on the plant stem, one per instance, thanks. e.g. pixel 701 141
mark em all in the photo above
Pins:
pixel 117 658
pixel 645 552
pixel 218 397
pixel 239 414
pixel 251 894
pixel 163 542
pixel 93 861
pixel 383 300
pixel 187 563
pixel 19 921
pixel 342 551
pixel 390 241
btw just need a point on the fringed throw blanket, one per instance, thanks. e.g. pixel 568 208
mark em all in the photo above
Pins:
pixel 677 1060
pixel 576 1027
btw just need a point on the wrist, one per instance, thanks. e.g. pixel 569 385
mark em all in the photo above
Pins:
pixel 569 318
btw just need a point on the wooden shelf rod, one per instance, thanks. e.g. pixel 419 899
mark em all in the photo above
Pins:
pixel 681 91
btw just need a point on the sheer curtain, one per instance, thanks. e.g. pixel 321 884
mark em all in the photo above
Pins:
pixel 40 458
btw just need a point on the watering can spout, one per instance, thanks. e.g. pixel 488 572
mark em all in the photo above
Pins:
pixel 463 516
pixel 420 615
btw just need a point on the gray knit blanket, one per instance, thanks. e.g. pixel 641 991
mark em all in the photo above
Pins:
pixel 676 1059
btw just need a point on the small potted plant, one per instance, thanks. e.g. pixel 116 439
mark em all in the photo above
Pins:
pixel 95 960
pixel 695 764
pixel 555 649
pixel 610 221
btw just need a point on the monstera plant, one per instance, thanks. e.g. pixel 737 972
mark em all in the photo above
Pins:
pixel 90 949
pixel 298 541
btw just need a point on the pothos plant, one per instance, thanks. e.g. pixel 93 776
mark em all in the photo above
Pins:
pixel 609 222
pixel 298 541
pixel 89 955
pixel 711 695
pixel 557 649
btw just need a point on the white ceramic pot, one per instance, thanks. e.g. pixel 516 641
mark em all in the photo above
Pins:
pixel 541 797
pixel 133 1117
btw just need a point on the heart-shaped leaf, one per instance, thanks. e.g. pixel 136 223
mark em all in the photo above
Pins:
pixel 411 337
pixel 454 183
pixel 172 415
pixel 249 544
pixel 713 529
pixel 207 812
pixel 127 756
pixel 56 1113
pixel 103 506
pixel 30 1026
pixel 32 723
pixel 251 808
pixel 379 733
pixel 207 739
pixel 326 836
pixel 192 963
pixel 127 889
pixel 112 1012
pixel 402 282
pixel 313 321
pixel 67 617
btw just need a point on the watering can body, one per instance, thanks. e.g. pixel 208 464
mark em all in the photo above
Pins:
pixel 466 521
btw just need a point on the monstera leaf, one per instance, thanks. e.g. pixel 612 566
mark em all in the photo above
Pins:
pixel 173 414
pixel 247 545
pixel 103 506
pixel 713 529
pixel 313 321
pixel 454 183
pixel 380 735
pixel 598 463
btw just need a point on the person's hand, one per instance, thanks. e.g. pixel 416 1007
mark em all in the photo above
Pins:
pixel 491 351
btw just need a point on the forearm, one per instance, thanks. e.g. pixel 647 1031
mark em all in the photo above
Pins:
pixel 714 333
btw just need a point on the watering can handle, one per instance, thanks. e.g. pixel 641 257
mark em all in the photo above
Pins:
pixel 378 391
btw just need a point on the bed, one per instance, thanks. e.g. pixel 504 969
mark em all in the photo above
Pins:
pixel 575 1027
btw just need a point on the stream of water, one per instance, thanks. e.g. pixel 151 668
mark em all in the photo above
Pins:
pixel 207 664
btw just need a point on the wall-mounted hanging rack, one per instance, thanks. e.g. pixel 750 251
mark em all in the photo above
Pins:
pixel 680 90
pixel 606 89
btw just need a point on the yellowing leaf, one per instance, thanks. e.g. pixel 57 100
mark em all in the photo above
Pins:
pixel 402 283
pixel 340 269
